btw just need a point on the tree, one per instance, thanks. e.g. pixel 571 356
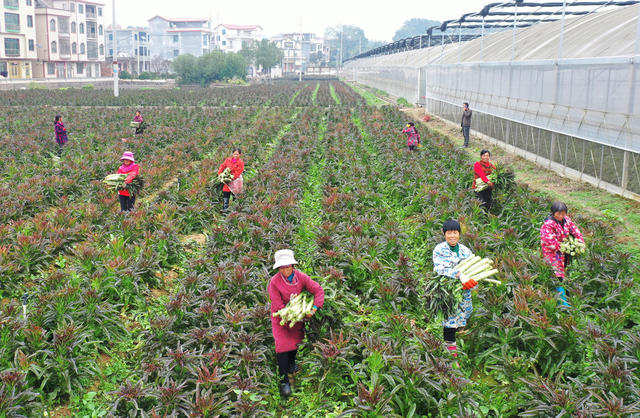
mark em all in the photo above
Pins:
pixel 160 65
pixel 268 55
pixel 353 42
pixel 214 66
pixel 414 27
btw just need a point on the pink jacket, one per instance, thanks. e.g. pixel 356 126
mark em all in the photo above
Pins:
pixel 413 137
pixel 280 291
pixel 552 233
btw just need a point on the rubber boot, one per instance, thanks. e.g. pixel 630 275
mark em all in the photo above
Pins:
pixel 562 294
pixel 285 388
pixel 225 204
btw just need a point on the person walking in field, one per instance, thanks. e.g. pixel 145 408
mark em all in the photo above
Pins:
pixel 556 228
pixel 446 256
pixel 61 134
pixel 131 169
pixel 465 124
pixel 236 166
pixel 413 137
pixel 282 286
pixel 481 170
pixel 139 120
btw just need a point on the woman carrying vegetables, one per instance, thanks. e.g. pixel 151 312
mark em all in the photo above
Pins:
pixel 481 170
pixel 139 120
pixel 61 134
pixel 286 283
pixel 132 169
pixel 413 137
pixel 236 166
pixel 556 228
pixel 446 257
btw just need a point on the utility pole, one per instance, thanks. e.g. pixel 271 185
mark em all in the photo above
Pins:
pixel 341 34
pixel 116 93
pixel 301 52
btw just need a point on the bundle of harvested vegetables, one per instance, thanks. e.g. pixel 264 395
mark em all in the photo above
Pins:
pixel 296 310
pixel 481 185
pixel 226 176
pixel 116 182
pixel 444 294
pixel 573 246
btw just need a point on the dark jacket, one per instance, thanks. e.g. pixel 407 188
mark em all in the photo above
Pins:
pixel 466 118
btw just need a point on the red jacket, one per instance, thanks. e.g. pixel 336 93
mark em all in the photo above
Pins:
pixel 280 291
pixel 236 169
pixel 131 175
pixel 481 171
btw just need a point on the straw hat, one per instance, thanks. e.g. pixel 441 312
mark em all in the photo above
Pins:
pixel 284 258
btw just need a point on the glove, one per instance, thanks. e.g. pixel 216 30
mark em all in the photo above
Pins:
pixel 467 282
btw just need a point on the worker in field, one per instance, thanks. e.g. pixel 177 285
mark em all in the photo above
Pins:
pixel 131 169
pixel 140 124
pixel 482 185
pixel 446 256
pixel 413 137
pixel 282 286
pixel 465 124
pixel 61 134
pixel 556 228
pixel 234 187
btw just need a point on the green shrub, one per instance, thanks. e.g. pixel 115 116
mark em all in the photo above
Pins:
pixel 36 86
pixel 125 75
pixel 88 86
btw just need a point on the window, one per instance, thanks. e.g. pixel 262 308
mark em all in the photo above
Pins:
pixel 52 25
pixel 3 69
pixel 80 68
pixel 65 48
pixel 224 43
pixel 74 48
pixel 73 27
pixel 110 37
pixel 27 69
pixel 135 36
pixel 100 30
pixel 54 47
pixel 81 26
pixel 12 22
pixel 205 39
pixel 51 68
pixel 80 9
pixel 32 46
pixel 230 44
pixel 175 38
pixel 14 69
pixel 11 4
pixel 72 7
pixel 92 49
pixel 111 52
pixel 11 47
pixel 63 24
pixel 82 51
pixel 101 49
pixel 176 52
pixel 29 21
pixel 224 31
pixel 99 11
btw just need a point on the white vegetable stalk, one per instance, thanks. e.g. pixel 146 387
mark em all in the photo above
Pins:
pixel 297 309
pixel 478 269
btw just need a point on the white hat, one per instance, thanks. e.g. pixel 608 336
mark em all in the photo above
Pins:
pixel 284 258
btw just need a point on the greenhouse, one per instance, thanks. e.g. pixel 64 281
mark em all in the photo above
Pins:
pixel 556 83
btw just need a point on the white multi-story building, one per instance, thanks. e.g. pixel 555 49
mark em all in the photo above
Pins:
pixel 17 39
pixel 302 51
pixel 173 37
pixel 70 39
pixel 134 52
pixel 232 38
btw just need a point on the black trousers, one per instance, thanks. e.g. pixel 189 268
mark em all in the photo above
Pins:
pixel 412 147
pixel 126 203
pixel 485 197
pixel 449 334
pixel 286 364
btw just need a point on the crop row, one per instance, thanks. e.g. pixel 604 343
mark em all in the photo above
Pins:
pixel 277 93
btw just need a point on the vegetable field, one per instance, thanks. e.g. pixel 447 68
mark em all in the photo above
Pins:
pixel 137 315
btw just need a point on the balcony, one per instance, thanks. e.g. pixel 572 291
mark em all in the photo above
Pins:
pixel 90 13
pixel 12 4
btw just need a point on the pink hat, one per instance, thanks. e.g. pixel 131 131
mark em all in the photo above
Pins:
pixel 128 155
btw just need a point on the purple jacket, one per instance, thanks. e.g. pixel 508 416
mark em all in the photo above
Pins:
pixel 61 133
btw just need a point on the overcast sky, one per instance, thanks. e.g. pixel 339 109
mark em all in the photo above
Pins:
pixel 380 20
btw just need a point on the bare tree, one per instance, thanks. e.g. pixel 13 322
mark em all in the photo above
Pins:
pixel 160 65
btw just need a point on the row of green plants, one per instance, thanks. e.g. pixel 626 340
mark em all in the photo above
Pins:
pixel 276 93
